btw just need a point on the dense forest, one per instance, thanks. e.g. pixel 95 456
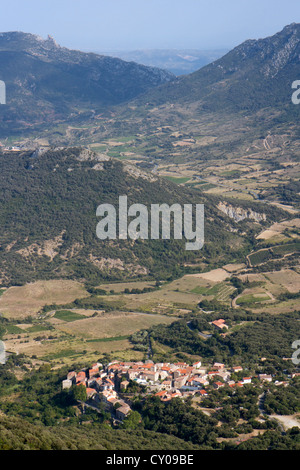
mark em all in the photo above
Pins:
pixel 254 336
pixel 48 203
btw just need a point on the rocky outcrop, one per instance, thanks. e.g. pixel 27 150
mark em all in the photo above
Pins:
pixel 240 213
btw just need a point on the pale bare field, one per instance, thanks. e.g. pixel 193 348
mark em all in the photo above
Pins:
pixel 154 301
pixel 174 294
pixel 232 268
pixel 22 301
pixel 216 275
pixel 177 296
pixel 276 309
pixel 25 344
pixel 287 278
pixel 288 421
pixel 253 277
pixel 111 325
pixel 285 207
pixel 271 234
pixel 276 229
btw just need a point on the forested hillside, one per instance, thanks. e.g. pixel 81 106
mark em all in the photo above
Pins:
pixel 48 220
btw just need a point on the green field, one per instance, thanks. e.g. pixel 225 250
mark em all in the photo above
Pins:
pixel 221 291
pixel 112 338
pixel 68 316
pixel 177 180
pixel 252 299
pixel 37 328
pixel 264 255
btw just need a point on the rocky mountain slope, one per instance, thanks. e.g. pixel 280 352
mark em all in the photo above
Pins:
pixel 255 74
pixel 47 83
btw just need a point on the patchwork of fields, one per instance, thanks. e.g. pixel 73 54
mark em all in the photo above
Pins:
pixel 65 334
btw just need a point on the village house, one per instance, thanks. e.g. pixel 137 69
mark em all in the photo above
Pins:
pixel 123 385
pixel 112 402
pixel 93 372
pixel 71 376
pixel 107 384
pixel 224 375
pixel 66 384
pixel 90 392
pixel 199 381
pixel 123 412
pixel 197 365
pixel 246 380
pixel 149 375
pixel 166 384
pixel 81 377
pixel 91 382
pixel 163 374
pixel 218 385
pixel 218 366
pixel 265 377
pixel 233 384
pixel 180 381
pixel 106 394
pixel 211 374
pixel 284 383
pixel 237 369
pixel 132 374
pixel 199 371
pixel 220 324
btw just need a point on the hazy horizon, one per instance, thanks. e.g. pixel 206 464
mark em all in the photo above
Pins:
pixel 130 25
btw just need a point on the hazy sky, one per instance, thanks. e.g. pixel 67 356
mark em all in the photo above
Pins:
pixel 104 25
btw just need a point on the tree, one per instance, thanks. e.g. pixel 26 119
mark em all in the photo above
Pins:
pixel 79 392
pixel 132 421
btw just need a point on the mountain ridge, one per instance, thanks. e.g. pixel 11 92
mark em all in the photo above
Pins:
pixel 242 78
pixel 48 83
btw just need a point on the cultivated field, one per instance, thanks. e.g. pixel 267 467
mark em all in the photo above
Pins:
pixel 110 325
pixel 287 278
pixel 20 302
pixel 63 341
pixel 276 230
pixel 216 275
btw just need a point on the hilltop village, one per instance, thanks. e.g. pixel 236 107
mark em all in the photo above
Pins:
pixel 164 380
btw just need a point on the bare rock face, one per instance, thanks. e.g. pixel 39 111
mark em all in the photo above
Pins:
pixel 239 213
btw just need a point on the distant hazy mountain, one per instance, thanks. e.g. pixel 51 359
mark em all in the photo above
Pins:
pixel 254 75
pixel 45 82
pixel 179 62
